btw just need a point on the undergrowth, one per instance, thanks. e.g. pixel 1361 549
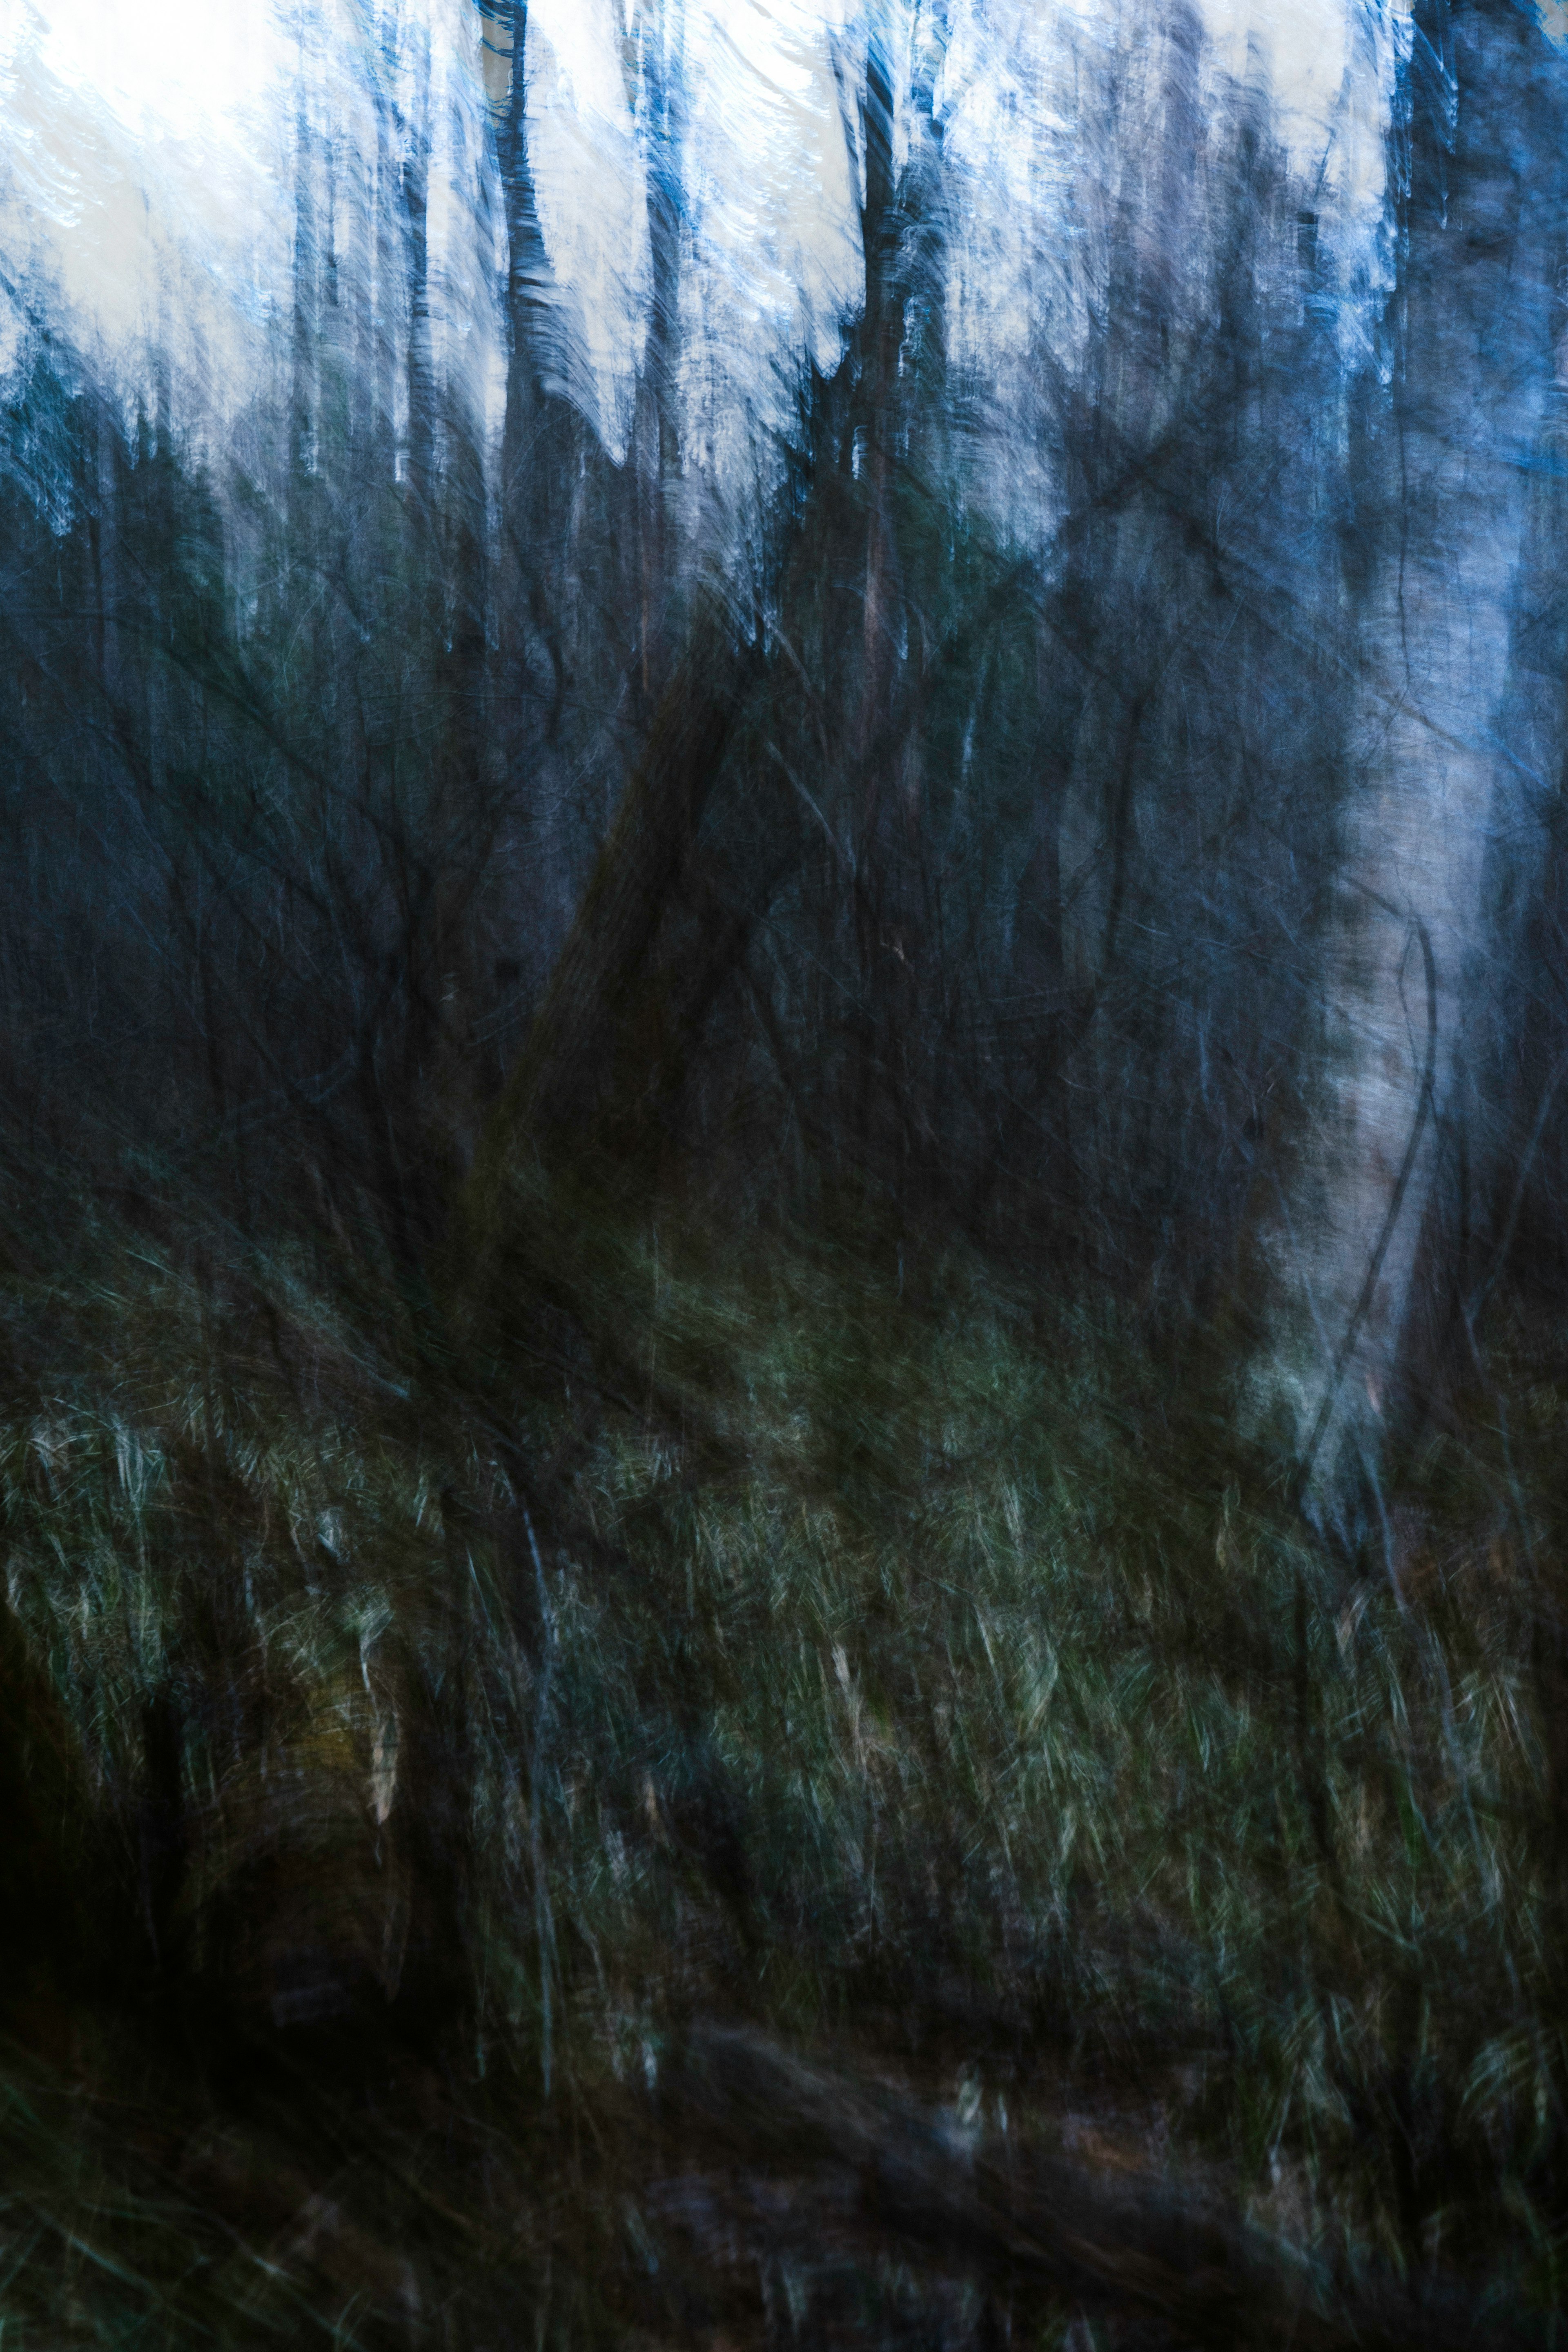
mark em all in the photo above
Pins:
pixel 835 1636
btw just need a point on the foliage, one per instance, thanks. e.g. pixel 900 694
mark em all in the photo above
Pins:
pixel 902 1660
pixel 645 1148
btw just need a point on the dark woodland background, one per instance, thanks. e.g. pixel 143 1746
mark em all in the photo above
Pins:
pixel 699 1650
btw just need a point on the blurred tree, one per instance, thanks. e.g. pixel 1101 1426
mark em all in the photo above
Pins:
pixel 1445 560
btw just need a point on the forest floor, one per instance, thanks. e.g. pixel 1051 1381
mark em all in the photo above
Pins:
pixel 816 1797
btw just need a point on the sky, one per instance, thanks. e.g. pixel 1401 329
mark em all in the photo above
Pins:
pixel 145 165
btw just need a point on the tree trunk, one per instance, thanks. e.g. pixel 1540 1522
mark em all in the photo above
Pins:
pixel 602 1050
pixel 1447 510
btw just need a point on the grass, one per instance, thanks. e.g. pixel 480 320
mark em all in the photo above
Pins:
pixel 832 1636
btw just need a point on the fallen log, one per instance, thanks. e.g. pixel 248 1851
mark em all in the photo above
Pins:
pixel 1016 2218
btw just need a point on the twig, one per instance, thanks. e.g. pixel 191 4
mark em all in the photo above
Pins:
pixel 543 1917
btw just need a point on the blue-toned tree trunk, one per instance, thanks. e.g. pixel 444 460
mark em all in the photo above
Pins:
pixel 1444 563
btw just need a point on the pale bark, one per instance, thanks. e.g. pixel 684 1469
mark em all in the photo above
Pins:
pixel 1353 1227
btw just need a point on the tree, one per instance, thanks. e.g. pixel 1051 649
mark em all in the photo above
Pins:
pixel 1438 562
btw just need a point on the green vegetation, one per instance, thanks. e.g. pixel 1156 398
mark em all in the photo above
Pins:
pixel 755 1523
pixel 822 1634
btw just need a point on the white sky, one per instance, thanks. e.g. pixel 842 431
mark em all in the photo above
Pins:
pixel 149 146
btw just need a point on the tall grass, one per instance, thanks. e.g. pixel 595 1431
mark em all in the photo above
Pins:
pixel 873 1650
